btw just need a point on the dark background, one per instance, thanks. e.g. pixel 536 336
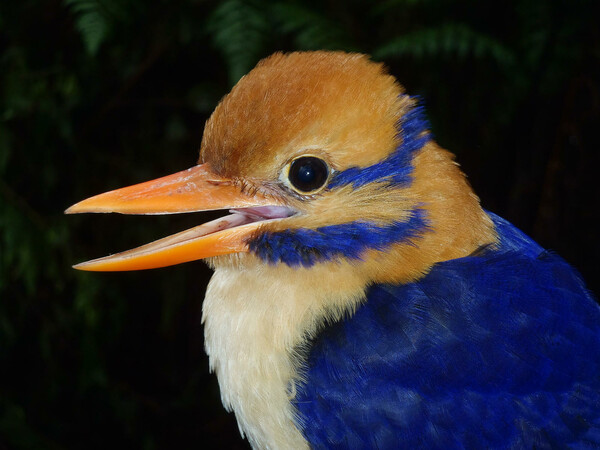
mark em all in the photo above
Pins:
pixel 98 94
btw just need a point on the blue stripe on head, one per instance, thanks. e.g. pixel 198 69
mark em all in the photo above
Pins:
pixel 413 129
pixel 306 247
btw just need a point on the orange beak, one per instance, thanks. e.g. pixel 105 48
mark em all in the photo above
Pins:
pixel 195 189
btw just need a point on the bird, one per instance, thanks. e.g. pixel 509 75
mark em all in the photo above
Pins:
pixel 361 295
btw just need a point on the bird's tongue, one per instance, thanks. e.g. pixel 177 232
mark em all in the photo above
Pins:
pixel 257 213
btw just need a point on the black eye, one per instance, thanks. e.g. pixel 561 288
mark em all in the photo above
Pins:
pixel 308 173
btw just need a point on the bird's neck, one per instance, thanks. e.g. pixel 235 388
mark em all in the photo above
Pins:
pixel 259 318
pixel 256 322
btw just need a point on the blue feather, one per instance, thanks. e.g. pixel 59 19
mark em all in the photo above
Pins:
pixel 500 349
pixel 305 246
pixel 413 130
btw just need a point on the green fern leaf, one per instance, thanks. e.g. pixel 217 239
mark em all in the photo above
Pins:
pixel 91 22
pixel 452 40
pixel 311 29
pixel 239 29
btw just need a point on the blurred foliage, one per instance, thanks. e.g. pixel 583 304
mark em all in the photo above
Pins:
pixel 97 94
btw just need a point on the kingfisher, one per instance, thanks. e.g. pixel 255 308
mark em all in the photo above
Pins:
pixel 361 296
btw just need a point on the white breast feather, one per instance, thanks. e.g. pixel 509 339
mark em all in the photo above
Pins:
pixel 255 321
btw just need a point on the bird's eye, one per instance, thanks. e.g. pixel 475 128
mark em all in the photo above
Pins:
pixel 307 174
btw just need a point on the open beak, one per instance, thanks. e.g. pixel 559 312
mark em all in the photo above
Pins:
pixel 195 189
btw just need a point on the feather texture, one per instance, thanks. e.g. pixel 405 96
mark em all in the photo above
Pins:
pixel 307 246
pixel 500 349
pixel 413 134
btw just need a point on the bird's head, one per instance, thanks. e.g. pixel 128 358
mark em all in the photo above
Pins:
pixel 321 158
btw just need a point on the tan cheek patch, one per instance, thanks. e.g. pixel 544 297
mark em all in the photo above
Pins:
pixel 371 203
pixel 456 224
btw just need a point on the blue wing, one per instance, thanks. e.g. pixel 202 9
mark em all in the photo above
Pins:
pixel 500 349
